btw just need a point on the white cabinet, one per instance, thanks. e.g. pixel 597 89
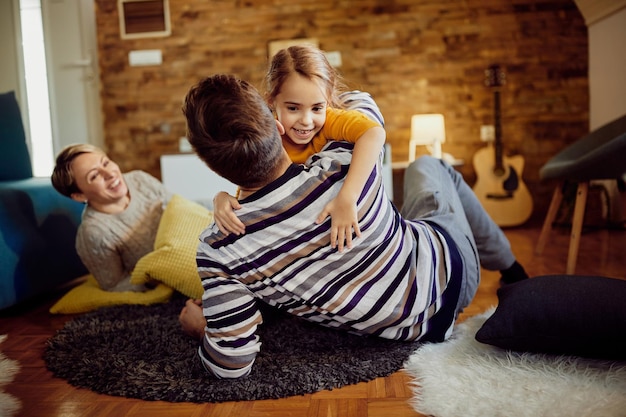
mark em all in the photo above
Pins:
pixel 188 175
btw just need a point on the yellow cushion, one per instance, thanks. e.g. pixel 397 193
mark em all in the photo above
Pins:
pixel 89 296
pixel 173 261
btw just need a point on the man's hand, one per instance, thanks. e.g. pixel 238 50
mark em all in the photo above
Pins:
pixel 224 206
pixel 192 320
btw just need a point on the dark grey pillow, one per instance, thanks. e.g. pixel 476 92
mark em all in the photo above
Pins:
pixel 560 314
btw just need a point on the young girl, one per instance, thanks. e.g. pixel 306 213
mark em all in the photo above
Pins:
pixel 303 91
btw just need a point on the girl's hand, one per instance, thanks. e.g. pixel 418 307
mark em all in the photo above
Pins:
pixel 224 206
pixel 344 220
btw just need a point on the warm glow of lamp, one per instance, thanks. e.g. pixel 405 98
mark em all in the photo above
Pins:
pixel 427 130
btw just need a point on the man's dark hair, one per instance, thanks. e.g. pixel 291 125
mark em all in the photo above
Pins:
pixel 232 130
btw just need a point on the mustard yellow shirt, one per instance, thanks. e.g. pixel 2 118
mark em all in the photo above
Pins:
pixel 341 125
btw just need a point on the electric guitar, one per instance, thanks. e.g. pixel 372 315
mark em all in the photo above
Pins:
pixel 499 185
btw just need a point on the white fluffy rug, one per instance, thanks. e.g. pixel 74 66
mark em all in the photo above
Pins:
pixel 462 377
pixel 9 405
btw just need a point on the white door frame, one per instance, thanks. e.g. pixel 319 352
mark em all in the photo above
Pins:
pixel 73 74
pixel 80 97
pixel 21 79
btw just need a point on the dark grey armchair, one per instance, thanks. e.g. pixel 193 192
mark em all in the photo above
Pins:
pixel 600 155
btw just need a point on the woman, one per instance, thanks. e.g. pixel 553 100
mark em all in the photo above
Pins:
pixel 121 216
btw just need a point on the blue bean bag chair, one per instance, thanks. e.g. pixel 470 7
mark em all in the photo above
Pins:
pixel 37 224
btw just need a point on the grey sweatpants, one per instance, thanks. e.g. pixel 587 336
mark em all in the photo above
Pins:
pixel 435 191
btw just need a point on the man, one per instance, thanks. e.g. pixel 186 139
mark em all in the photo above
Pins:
pixel 406 278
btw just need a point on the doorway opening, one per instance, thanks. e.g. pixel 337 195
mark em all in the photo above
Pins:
pixel 37 94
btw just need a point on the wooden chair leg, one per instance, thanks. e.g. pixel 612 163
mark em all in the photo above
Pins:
pixel 557 196
pixel 577 226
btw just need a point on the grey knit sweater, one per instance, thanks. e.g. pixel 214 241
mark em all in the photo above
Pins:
pixel 111 244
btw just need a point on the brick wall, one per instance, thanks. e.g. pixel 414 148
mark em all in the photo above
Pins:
pixel 413 56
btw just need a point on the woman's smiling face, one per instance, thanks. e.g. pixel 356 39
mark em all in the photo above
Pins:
pixel 99 179
pixel 300 107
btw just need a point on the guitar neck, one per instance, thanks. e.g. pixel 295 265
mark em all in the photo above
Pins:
pixel 499 166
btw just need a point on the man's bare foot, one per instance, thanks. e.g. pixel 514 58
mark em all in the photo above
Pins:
pixel 192 320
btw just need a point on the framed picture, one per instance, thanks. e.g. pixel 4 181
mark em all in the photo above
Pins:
pixel 275 46
pixel 144 18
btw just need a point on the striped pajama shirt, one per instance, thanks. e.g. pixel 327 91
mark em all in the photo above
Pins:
pixel 390 284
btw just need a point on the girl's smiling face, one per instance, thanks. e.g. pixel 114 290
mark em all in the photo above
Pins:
pixel 300 107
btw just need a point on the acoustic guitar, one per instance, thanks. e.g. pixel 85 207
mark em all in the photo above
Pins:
pixel 499 185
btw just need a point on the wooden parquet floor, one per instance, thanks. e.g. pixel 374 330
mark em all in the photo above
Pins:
pixel 30 325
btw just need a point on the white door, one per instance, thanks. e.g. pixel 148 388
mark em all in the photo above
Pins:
pixel 72 60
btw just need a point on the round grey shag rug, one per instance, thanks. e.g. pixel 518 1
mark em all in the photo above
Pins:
pixel 141 352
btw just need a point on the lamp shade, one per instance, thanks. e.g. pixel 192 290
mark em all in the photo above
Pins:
pixel 427 130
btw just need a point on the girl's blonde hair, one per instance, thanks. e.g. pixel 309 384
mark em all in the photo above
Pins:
pixel 309 62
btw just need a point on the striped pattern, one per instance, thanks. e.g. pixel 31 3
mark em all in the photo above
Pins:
pixel 389 284
pixel 363 102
